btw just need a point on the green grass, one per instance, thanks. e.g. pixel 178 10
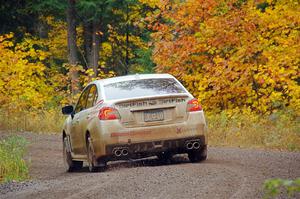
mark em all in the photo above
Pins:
pixel 277 186
pixel 12 164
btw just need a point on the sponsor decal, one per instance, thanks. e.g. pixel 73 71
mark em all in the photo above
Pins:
pixel 178 130
pixel 129 133
pixel 151 102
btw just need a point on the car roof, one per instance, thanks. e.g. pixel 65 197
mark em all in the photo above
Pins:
pixel 131 77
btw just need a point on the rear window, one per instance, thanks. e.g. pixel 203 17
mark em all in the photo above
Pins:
pixel 142 87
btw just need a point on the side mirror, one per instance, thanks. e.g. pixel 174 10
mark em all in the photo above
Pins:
pixel 67 110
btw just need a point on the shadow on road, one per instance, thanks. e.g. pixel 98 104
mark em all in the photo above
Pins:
pixel 146 162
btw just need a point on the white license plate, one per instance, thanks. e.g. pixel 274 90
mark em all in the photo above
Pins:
pixel 153 115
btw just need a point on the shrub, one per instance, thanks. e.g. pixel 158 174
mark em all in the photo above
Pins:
pixel 273 187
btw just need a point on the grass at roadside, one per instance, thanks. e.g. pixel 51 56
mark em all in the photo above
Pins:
pixel 243 128
pixel 237 127
pixel 12 164
pixel 286 188
pixel 43 121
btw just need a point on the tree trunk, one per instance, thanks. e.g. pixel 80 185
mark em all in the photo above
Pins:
pixel 127 41
pixel 87 42
pixel 42 29
pixel 72 46
pixel 96 46
pixel 92 40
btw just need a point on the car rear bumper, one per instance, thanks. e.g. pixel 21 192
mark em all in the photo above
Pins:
pixel 139 140
pixel 150 148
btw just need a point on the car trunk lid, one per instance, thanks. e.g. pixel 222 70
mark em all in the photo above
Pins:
pixel 151 111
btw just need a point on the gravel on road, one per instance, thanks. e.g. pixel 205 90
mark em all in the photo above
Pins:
pixel 227 173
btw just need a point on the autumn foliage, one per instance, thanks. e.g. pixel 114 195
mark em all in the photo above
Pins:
pixel 23 80
pixel 239 57
pixel 232 53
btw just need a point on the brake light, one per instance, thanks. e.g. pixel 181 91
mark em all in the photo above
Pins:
pixel 108 113
pixel 193 105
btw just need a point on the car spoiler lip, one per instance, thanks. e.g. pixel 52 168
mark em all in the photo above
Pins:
pixel 149 97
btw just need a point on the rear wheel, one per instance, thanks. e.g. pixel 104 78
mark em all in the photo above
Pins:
pixel 92 161
pixel 199 155
pixel 69 163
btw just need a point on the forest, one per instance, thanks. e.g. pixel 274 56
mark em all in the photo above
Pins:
pixel 240 58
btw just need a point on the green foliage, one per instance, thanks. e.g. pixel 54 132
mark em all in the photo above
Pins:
pixel 143 62
pixel 273 187
pixel 125 49
pixel 47 7
pixel 15 17
pixel 91 10
pixel 12 164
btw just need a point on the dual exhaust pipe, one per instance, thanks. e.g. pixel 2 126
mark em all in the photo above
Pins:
pixel 193 145
pixel 120 152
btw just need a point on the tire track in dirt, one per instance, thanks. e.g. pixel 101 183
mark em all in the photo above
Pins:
pixel 228 173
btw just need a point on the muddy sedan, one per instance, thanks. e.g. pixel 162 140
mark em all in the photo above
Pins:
pixel 133 117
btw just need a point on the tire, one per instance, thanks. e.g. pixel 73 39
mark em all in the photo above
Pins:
pixel 199 155
pixel 69 163
pixel 91 158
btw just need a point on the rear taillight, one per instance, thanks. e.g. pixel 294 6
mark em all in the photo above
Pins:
pixel 193 105
pixel 108 113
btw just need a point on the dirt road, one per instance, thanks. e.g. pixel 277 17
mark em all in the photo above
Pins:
pixel 228 173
